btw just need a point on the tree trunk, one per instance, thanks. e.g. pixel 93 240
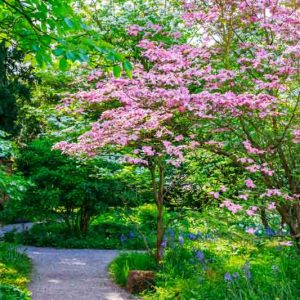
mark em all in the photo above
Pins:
pixel 160 233
pixel 263 217
pixel 290 215
pixel 85 217
pixel 158 193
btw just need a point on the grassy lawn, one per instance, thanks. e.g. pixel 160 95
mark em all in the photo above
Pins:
pixel 15 269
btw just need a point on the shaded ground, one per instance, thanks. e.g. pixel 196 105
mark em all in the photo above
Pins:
pixel 61 274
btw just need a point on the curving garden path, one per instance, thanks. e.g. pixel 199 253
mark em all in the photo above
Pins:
pixel 63 274
pixel 67 274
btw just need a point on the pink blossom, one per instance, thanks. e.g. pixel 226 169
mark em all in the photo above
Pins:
pixel 271 206
pixel 296 134
pixel 134 30
pixel 216 195
pixel 179 138
pixel 251 211
pixel 234 208
pixel 250 184
pixel 148 150
pixel 286 243
pixel 251 149
pixel 223 189
pixel 251 230
pixel 243 196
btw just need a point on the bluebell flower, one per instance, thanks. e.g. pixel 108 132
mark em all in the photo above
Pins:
pixel 164 243
pixel 180 240
pixel 236 275
pixel 227 277
pixel 123 238
pixel 131 235
pixel 171 232
pixel 269 231
pixel 200 256
pixel 191 236
pixel 247 270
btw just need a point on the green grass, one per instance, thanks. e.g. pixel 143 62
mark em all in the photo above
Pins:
pixel 15 269
pixel 121 266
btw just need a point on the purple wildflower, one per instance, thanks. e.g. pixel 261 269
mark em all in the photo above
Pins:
pixel 180 240
pixel 191 236
pixel 123 238
pixel 164 243
pixel 200 256
pixel 227 277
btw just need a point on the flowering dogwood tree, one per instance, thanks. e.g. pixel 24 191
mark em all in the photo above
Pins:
pixel 235 92
pixel 253 95
pixel 150 117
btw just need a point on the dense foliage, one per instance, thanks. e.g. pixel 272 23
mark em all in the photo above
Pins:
pixel 170 126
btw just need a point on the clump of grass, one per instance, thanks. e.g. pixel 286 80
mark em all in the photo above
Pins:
pixel 121 266
pixel 15 269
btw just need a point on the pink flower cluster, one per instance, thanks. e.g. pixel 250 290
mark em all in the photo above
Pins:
pixel 296 138
pixel 252 210
pixel 234 208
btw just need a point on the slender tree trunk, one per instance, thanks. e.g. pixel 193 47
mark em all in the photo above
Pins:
pixel 160 232
pixel 158 193
pixel 264 219
pixel 85 217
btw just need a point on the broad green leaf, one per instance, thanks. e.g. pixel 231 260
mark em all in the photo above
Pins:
pixel 117 71
pixel 63 64
pixel 127 65
pixel 68 22
pixel 71 55
pixel 58 51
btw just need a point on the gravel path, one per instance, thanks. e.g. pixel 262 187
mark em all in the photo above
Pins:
pixel 15 227
pixel 61 274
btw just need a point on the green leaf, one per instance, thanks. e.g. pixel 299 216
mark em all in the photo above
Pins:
pixel 127 65
pixel 58 51
pixel 71 55
pixel 40 59
pixel 68 22
pixel 82 57
pixel 117 71
pixel 63 64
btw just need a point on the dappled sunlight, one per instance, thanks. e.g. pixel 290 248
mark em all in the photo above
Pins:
pixel 56 281
pixel 72 261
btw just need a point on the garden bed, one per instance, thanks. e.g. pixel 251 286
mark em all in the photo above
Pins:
pixel 15 270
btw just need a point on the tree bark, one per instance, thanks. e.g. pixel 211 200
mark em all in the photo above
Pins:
pixel 85 217
pixel 158 193
pixel 263 217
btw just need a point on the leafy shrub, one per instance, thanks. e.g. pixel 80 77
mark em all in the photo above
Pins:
pixel 65 188
pixel 59 236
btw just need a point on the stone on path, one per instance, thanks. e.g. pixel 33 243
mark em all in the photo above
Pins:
pixel 65 274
